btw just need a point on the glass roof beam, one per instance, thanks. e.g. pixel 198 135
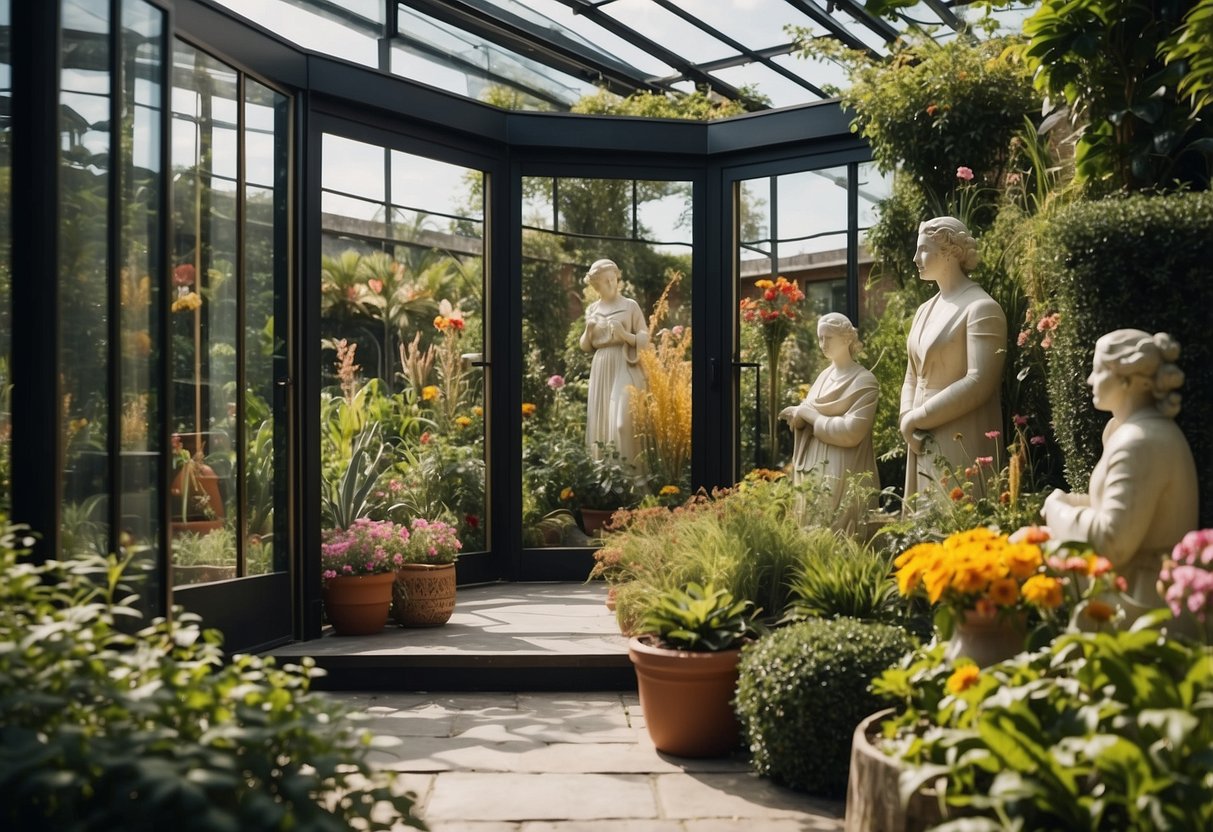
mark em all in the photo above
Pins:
pixel 523 37
pixel 731 61
pixel 741 48
pixel 881 27
pixel 689 70
pixel 837 30
pixel 946 15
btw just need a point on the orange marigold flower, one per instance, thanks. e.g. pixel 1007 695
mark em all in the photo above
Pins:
pixel 963 678
pixel 1004 591
pixel 528 408
pixel 1022 560
pixel 1100 611
pixel 957 493
pixel 669 491
pixel 1042 591
pixel 441 323
pixel 1034 534
pixel 567 493
pixel 462 421
pixel 430 392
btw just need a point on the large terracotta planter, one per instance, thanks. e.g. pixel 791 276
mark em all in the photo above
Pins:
pixel 873 794
pixel 423 594
pixel 687 698
pixel 357 605
pixel 593 519
pixel 988 641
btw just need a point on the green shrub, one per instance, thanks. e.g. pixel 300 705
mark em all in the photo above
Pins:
pixel 105 728
pixel 801 692
pixel 1144 262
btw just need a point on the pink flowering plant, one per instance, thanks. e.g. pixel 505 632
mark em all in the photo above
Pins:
pixel 1186 580
pixel 432 542
pixel 367 547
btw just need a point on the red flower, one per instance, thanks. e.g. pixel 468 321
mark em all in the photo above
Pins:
pixel 472 520
pixel 183 275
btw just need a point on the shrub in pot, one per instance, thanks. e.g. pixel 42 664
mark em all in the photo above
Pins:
pixel 686 669
pixel 803 689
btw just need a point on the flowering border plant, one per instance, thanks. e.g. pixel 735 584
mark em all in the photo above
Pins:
pixel 991 574
pixel 1186 580
pixel 432 542
pixel 367 547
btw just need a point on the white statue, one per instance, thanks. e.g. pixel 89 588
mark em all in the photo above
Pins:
pixel 1143 494
pixel 832 427
pixel 957 347
pixel 615 331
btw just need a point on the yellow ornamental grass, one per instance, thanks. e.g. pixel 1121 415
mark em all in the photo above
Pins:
pixel 662 412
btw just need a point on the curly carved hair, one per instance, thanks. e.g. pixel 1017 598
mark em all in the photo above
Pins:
pixel 1135 352
pixel 954 240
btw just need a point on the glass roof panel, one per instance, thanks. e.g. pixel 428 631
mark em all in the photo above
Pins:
pixel 668 29
pixel 315 26
pixel 756 23
pixel 610 43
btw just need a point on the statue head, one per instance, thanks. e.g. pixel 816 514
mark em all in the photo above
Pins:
pixel 602 270
pixel 953 240
pixel 839 325
pixel 1137 357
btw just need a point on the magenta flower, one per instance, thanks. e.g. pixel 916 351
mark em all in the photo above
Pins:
pixel 1020 421
pixel 556 382
pixel 964 173
pixel 993 434
pixel 1037 440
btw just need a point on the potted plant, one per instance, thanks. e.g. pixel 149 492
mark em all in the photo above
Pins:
pixel 686 669
pixel 423 593
pixel 358 567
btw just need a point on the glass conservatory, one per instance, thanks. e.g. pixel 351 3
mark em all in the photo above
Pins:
pixel 271 265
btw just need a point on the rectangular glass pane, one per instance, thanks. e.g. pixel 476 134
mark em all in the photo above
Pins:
pixel 141 160
pixel 402 318
pixel 203 323
pixel 606 409
pixel 6 268
pixel 84 268
pixel 265 358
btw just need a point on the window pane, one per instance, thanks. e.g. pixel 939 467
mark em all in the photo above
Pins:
pixel 203 322
pixel 606 417
pixel 402 317
pixel 265 350
pixel 140 294
pixel 83 275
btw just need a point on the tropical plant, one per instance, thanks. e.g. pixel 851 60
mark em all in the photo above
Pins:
pixel 699 619
pixel 1098 731
pixel 347 498
pixel 109 723
pixel 803 689
pixel 842 578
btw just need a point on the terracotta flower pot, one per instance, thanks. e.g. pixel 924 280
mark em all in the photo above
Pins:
pixel 687 698
pixel 988 641
pixel 423 594
pixel 593 519
pixel 357 605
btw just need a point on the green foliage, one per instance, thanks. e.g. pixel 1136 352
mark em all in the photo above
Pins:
pixel 1102 57
pixel 801 692
pixel 699 105
pixel 105 728
pixel 348 497
pixel 893 237
pixel 842 578
pixel 699 619
pixel 930 108
pixel 885 347
pixel 1099 731
pixel 1140 262
pixel 560 472
pixel 1193 44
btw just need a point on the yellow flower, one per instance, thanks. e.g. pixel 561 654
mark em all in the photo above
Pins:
pixel 462 421
pixel 763 284
pixel 528 408
pixel 1042 591
pixel 669 491
pixel 441 323
pixel 567 493
pixel 1022 559
pixel 1004 592
pixel 429 393
pixel 190 300
pixel 963 678
pixel 478 410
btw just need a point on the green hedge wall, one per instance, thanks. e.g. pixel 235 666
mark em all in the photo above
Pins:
pixel 1144 262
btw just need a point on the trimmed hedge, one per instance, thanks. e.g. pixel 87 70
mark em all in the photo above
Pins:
pixel 801 692
pixel 1144 262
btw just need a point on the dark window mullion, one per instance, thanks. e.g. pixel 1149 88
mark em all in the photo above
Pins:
pixel 241 356
pixel 115 203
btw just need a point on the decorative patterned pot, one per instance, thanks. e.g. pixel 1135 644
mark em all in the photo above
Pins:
pixel 357 605
pixel 687 698
pixel 988 641
pixel 423 594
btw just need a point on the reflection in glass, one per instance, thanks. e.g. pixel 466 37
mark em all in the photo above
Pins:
pixel 402 319
pixel 141 241
pixel 792 269
pixel 203 320
pixel 265 453
pixel 83 270
pixel 644 228
pixel 6 266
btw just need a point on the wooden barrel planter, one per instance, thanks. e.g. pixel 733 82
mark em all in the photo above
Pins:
pixel 423 594
pixel 873 793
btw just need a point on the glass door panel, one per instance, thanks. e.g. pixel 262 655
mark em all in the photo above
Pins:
pixel 606 386
pixel 403 295
pixel 792 267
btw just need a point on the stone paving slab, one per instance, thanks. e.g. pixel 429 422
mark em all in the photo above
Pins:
pixel 709 795
pixel 462 795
